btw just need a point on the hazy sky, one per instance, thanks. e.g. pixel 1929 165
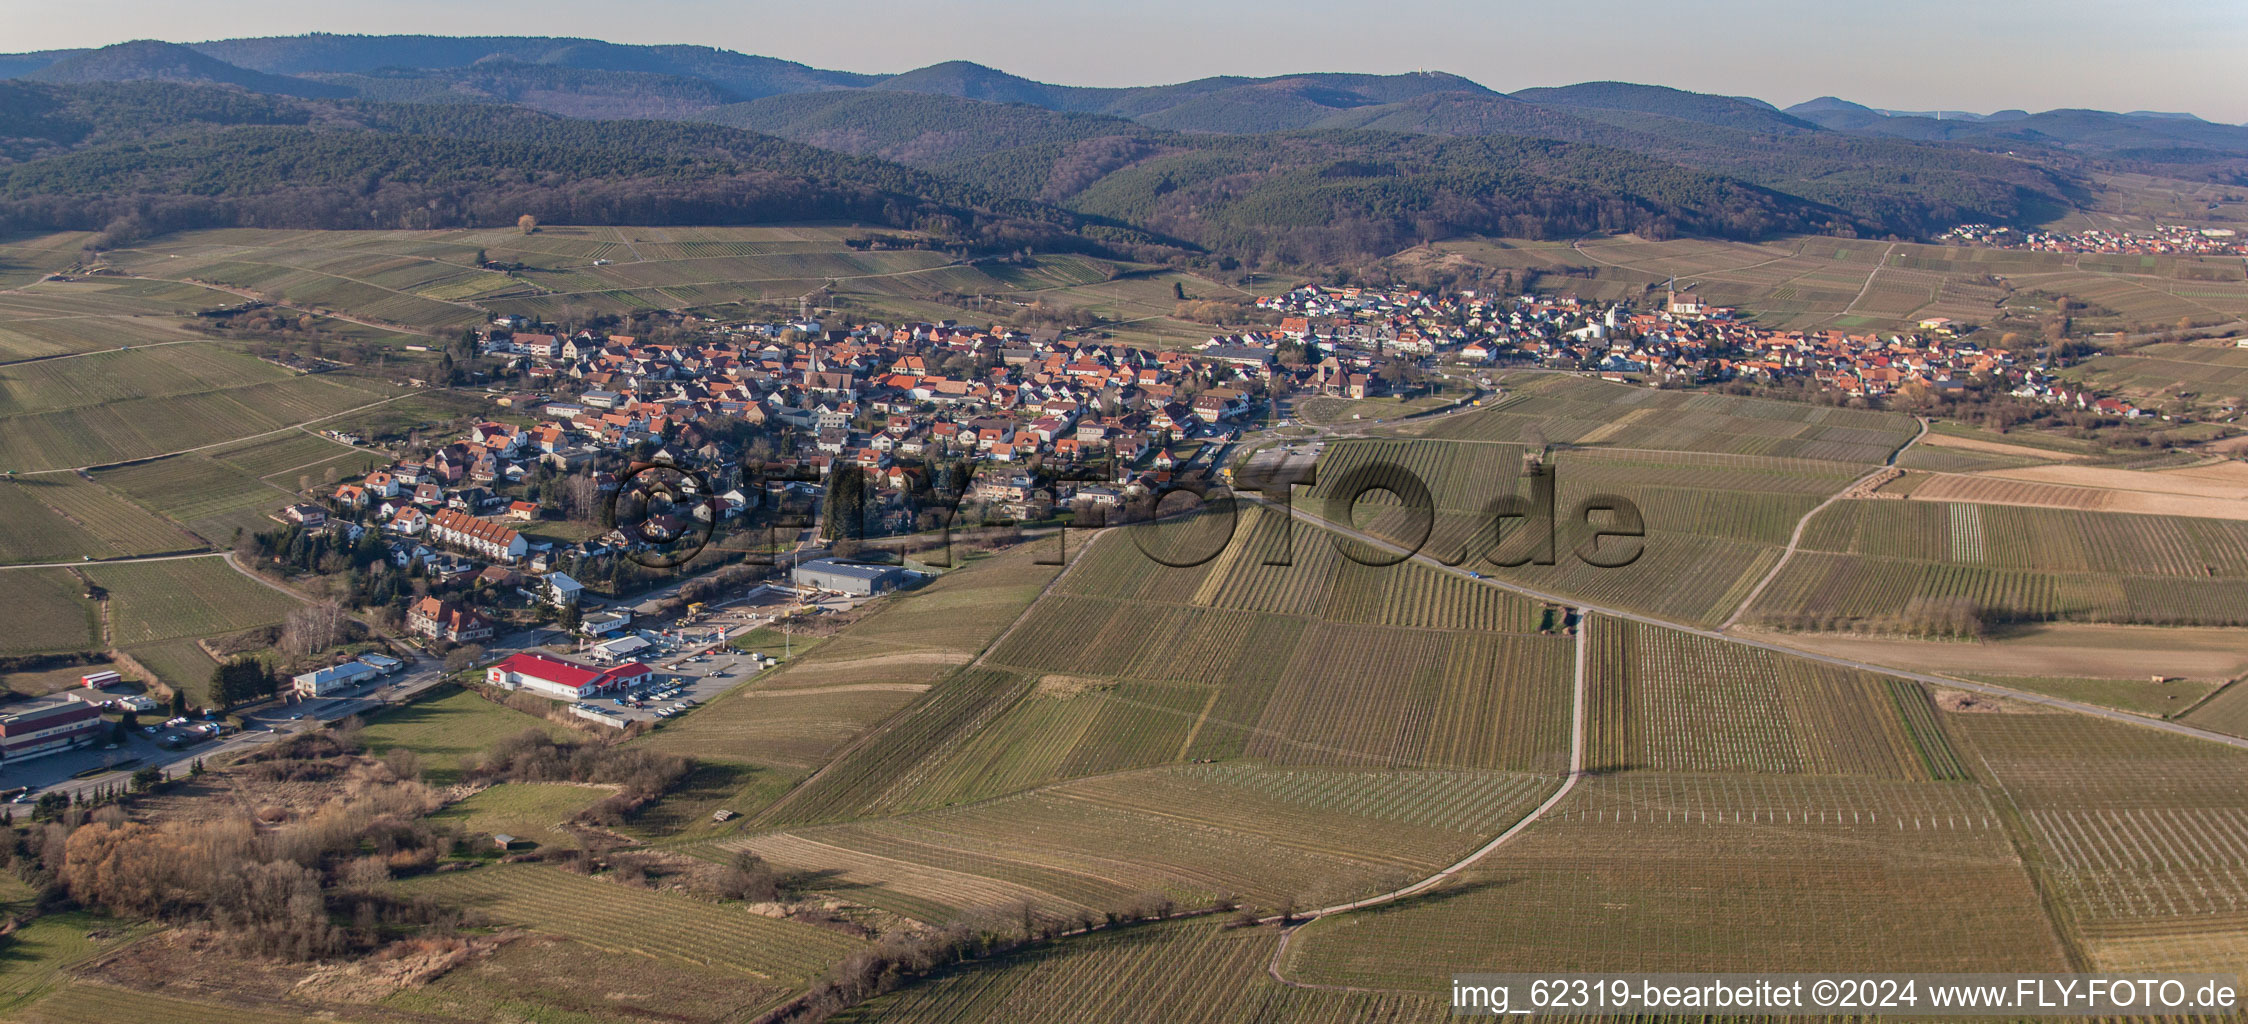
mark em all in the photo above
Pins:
pixel 2181 55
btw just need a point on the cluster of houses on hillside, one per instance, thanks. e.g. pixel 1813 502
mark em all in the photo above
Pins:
pixel 2165 239
pixel 895 401
pixel 1684 341
pixel 891 401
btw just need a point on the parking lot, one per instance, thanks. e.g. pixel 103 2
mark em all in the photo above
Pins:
pixel 697 672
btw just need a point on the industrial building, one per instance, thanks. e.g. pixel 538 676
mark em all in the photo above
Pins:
pixel 561 678
pixel 47 729
pixel 333 679
pixel 848 577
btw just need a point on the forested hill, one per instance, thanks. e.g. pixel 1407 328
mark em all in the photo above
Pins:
pixel 1683 175
pixel 130 158
pixel 329 130
pixel 138 157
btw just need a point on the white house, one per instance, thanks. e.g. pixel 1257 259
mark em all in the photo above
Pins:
pixel 561 590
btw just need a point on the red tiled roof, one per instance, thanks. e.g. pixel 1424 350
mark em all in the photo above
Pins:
pixel 569 673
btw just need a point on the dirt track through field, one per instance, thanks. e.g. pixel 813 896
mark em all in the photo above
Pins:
pixel 1568 783
pixel 808 691
pixel 1795 538
pixel 1775 646
pixel 1976 444
pixel 2197 499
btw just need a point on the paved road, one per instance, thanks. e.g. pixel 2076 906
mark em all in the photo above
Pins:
pixel 266 724
pixel 57 772
pixel 1568 783
pixel 2142 721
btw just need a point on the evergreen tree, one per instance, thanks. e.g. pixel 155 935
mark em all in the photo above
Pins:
pixel 844 514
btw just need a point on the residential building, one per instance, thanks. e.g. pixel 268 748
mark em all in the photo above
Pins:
pixel 484 537
pixel 444 620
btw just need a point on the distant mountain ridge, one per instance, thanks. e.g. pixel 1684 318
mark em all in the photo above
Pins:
pixel 390 67
pixel 1319 166
pixel 149 60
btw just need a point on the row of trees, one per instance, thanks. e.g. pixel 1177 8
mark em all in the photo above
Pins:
pixel 243 679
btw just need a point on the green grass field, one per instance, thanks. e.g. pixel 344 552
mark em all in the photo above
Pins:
pixel 526 810
pixel 446 729
pixel 53 680
pixel 38 953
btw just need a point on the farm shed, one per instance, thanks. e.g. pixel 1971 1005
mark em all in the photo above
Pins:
pixel 847 577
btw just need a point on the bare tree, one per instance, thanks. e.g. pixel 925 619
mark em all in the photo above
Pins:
pixel 527 223
pixel 581 498
pixel 313 628
pixel 463 656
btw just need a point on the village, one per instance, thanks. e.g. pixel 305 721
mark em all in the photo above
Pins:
pixel 1685 341
pixel 2164 240
pixel 763 413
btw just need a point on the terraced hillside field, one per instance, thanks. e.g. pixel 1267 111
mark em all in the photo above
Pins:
pixel 1262 832
pixel 184 597
pixel 2142 835
pixel 49 613
pixel 63 517
pixel 117 406
pixel 1817 282
pixel 1671 701
pixel 1569 409
pixel 1690 872
pixel 1088 684
pixel 795 716
pixel 1713 524
pixel 1184 972
pixel 766 956
pixel 429 282
pixel 1871 561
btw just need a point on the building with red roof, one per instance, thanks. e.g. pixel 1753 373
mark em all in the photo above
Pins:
pixel 562 678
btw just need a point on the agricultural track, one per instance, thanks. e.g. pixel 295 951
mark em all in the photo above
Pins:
pixel 1796 538
pixel 1947 682
pixel 1864 291
pixel 115 561
pixel 883 729
pixel 277 301
pixel 1568 782
pixel 323 418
